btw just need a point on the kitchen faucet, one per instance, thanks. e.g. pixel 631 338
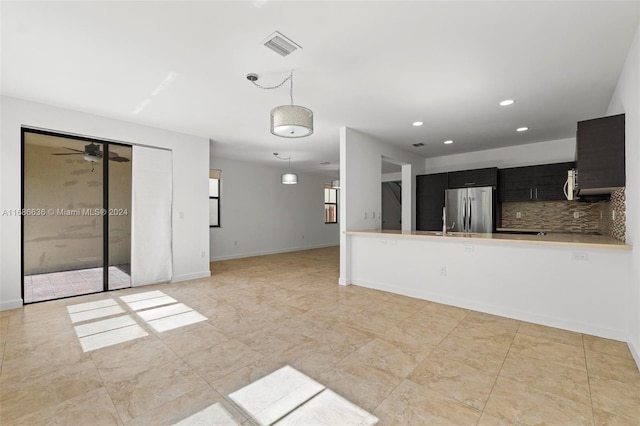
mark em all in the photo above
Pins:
pixel 444 222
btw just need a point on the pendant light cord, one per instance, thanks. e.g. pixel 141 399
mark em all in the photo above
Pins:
pixel 289 79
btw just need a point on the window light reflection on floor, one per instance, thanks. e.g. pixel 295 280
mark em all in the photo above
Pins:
pixel 99 327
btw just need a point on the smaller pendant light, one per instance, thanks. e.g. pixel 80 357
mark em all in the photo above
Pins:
pixel 287 178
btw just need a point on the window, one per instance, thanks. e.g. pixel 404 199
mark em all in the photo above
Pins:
pixel 330 205
pixel 214 198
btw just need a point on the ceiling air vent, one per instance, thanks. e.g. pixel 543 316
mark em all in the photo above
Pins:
pixel 419 144
pixel 281 44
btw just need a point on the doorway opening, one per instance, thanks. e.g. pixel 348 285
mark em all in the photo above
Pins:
pixel 76 221
pixel 392 205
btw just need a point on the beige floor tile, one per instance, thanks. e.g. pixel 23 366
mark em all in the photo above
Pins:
pixel 547 350
pixel 602 418
pixel 412 404
pixel 125 360
pixel 218 361
pixel 550 333
pixel 414 339
pixel 518 403
pixel 484 332
pixel 484 355
pixel 547 377
pixel 481 319
pixel 612 396
pixel 314 358
pixel 489 420
pixel 185 341
pixel 454 380
pixel 187 405
pixel 364 385
pixel 374 320
pixel 622 369
pixel 273 339
pixel 393 358
pixel 446 310
pixel 153 388
pixel 20 396
pixel 90 408
pixel 34 362
pixel 435 321
pixel 607 346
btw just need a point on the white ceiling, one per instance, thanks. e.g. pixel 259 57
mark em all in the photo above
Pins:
pixel 373 66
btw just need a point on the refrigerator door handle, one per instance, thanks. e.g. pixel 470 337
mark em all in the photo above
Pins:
pixel 464 219
pixel 469 227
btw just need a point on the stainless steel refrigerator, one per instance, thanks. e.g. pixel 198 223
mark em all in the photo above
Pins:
pixel 470 209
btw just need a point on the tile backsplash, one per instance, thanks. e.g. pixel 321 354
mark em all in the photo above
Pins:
pixel 569 216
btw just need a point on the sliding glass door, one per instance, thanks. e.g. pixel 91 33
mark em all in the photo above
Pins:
pixel 76 222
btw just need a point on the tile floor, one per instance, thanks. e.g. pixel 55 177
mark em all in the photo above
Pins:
pixel 406 361
pixel 56 285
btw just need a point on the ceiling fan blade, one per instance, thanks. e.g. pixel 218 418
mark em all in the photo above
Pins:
pixel 119 159
pixel 113 156
pixel 73 149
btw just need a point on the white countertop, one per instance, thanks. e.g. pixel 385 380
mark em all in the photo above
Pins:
pixel 557 239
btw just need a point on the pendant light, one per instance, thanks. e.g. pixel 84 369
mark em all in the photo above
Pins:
pixel 287 178
pixel 288 121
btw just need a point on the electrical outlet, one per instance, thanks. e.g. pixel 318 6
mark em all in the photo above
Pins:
pixel 468 248
pixel 576 215
pixel 443 271
pixel 202 254
pixel 365 215
pixel 235 243
pixel 580 257
pixel 303 237
pixel 518 215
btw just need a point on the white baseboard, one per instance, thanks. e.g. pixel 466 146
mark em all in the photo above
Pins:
pixel 562 323
pixel 192 276
pixel 267 252
pixel 11 304
pixel 343 281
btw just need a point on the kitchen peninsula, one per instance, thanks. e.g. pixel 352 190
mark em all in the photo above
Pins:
pixel 575 282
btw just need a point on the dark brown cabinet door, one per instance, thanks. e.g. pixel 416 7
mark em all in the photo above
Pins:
pixel 476 177
pixel 534 183
pixel 430 193
pixel 600 153
pixel 518 184
pixel 550 180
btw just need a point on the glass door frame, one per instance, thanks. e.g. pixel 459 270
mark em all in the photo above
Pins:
pixel 105 201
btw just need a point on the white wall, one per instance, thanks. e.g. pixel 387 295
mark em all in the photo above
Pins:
pixel 190 185
pixel 626 99
pixel 259 215
pixel 540 284
pixel 558 151
pixel 360 176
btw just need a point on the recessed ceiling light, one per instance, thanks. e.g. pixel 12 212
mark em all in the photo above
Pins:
pixel 507 102
pixel 417 123
pixel 448 142
pixel 522 129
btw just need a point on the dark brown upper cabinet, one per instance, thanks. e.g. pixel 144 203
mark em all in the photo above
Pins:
pixel 534 183
pixel 430 194
pixel 600 155
pixel 476 177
